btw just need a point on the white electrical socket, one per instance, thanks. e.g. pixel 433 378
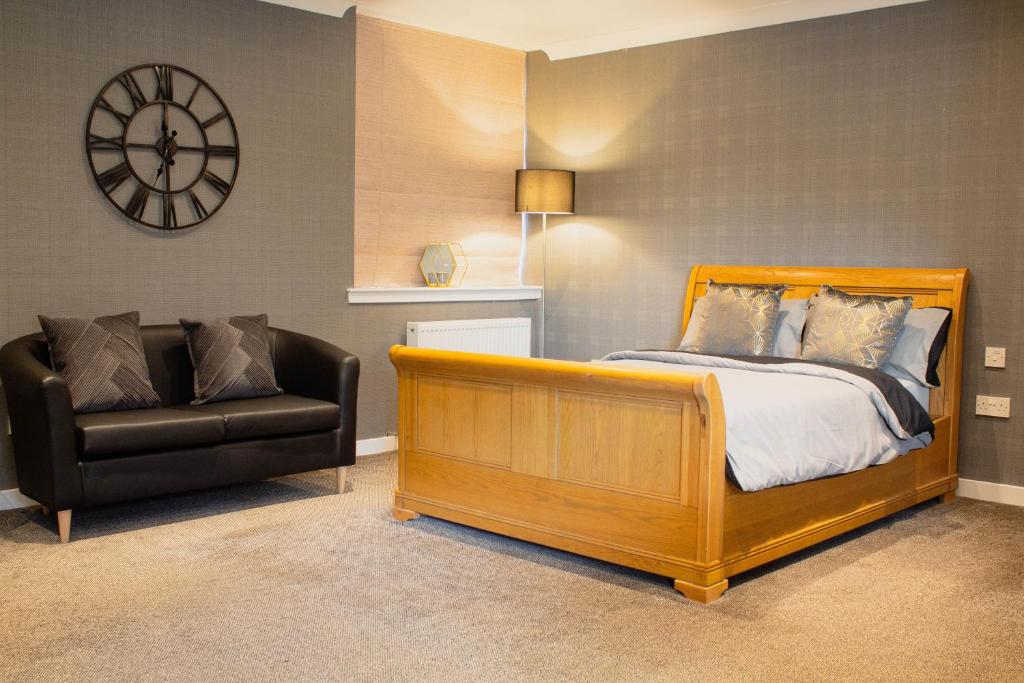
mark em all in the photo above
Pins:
pixel 995 357
pixel 992 406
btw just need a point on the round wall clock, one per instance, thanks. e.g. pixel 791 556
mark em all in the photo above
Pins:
pixel 162 146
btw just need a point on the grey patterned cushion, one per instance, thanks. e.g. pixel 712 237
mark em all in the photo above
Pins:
pixel 102 361
pixel 231 357
pixel 734 320
pixel 857 330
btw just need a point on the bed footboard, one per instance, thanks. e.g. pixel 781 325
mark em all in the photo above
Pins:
pixel 619 464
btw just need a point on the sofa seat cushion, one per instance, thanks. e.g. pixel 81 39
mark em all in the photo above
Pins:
pixel 143 431
pixel 253 418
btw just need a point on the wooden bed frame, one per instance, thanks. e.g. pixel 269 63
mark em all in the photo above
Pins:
pixel 628 465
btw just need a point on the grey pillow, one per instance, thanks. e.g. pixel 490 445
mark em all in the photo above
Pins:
pixel 231 357
pixel 857 330
pixel 734 320
pixel 792 316
pixel 919 346
pixel 102 360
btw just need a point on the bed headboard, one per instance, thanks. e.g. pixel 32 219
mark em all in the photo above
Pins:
pixel 929 287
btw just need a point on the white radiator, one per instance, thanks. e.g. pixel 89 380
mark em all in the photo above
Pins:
pixel 501 336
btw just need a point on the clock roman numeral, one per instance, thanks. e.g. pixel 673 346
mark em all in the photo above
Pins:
pixel 131 86
pixel 170 215
pixel 192 97
pixel 197 206
pixel 164 82
pixel 216 182
pixel 107 106
pixel 222 151
pixel 98 142
pixel 214 119
pixel 112 178
pixel 137 204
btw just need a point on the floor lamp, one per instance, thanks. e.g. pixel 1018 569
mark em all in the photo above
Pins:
pixel 544 191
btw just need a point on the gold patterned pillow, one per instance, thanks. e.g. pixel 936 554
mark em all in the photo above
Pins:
pixel 856 330
pixel 734 320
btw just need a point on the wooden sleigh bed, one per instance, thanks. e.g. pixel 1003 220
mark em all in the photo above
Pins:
pixel 629 466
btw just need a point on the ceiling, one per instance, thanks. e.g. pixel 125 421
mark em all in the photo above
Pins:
pixel 570 28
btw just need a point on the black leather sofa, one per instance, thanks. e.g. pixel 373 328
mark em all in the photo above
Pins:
pixel 66 461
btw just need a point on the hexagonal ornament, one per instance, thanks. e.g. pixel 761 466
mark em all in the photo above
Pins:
pixel 443 264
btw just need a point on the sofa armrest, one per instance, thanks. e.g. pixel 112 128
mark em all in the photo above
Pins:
pixel 313 368
pixel 42 427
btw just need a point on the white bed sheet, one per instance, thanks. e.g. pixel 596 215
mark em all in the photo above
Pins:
pixel 788 428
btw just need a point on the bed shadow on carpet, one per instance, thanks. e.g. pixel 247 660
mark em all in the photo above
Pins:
pixel 629 578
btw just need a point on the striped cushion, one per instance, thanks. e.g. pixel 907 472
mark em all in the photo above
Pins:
pixel 231 357
pixel 102 361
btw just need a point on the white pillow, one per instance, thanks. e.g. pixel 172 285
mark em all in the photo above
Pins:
pixel 919 346
pixel 917 390
pixel 790 327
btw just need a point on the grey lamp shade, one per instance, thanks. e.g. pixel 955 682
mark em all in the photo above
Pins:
pixel 545 190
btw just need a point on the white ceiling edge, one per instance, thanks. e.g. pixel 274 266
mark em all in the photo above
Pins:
pixel 708 25
pixel 519 25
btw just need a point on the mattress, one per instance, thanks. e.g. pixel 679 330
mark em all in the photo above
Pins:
pixel 789 421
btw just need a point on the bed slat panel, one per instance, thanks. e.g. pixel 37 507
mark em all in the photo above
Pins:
pixel 639 523
pixel 624 444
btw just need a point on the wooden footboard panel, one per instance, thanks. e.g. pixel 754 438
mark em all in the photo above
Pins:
pixel 607 462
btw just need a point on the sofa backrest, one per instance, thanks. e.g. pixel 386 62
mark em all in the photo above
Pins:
pixel 170 366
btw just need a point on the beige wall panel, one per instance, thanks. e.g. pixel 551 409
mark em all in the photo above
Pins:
pixel 439 132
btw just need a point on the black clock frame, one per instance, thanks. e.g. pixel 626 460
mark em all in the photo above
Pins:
pixel 134 209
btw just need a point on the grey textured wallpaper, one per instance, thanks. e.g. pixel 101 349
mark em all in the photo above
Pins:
pixel 886 138
pixel 282 243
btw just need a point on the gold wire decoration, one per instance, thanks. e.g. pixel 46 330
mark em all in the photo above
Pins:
pixel 444 264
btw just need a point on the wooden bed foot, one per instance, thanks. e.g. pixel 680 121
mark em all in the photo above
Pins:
pixel 702 594
pixel 64 525
pixel 403 515
pixel 342 478
pixel 948 497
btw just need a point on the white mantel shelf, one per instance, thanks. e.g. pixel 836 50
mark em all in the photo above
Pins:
pixel 423 295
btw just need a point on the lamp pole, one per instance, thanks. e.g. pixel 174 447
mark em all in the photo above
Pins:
pixel 543 282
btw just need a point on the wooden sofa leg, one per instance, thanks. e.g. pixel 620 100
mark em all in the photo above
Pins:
pixel 342 478
pixel 702 594
pixel 64 525
pixel 45 510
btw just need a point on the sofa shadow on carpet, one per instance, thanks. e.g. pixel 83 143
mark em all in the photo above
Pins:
pixel 119 518
pixel 636 579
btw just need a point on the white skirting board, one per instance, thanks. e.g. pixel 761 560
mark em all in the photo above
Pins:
pixel 12 499
pixel 992 492
pixel 381 444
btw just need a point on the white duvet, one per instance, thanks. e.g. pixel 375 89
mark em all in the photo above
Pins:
pixel 784 428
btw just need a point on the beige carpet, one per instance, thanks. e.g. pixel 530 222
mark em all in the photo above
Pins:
pixel 282 580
